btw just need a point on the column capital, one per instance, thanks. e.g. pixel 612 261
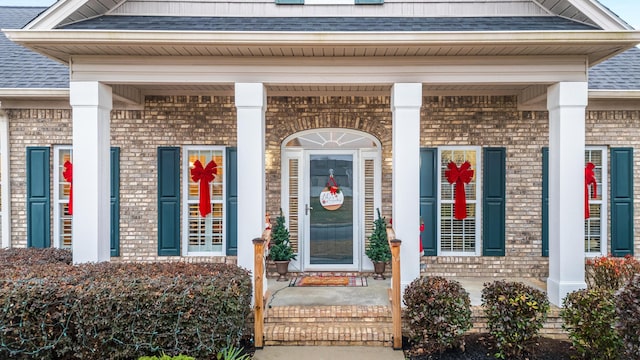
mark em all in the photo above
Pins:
pixel 250 95
pixel 567 94
pixel 406 95
pixel 90 93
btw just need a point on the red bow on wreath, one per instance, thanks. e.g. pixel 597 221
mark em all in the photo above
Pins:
pixel 460 176
pixel 333 185
pixel 589 179
pixel 204 176
pixel 68 177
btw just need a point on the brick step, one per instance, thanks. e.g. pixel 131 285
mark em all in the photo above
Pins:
pixel 319 314
pixel 356 325
pixel 325 334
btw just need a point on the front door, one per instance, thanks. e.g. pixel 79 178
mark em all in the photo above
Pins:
pixel 330 210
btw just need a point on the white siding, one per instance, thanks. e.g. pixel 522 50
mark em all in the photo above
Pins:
pixel 431 8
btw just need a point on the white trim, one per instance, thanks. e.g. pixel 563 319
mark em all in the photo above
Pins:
pixel 604 198
pixel 57 243
pixel 185 200
pixel 38 93
pixel 55 14
pixel 5 184
pixel 478 201
pixel 600 15
pixel 614 94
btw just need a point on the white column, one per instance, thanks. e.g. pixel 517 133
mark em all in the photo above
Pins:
pixel 251 105
pixel 91 102
pixel 6 180
pixel 566 102
pixel 406 100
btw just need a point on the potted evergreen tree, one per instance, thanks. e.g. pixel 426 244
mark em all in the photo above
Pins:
pixel 378 250
pixel 280 250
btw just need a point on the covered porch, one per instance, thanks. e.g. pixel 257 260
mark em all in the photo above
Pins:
pixel 550 77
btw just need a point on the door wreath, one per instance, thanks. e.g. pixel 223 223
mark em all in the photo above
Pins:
pixel 331 197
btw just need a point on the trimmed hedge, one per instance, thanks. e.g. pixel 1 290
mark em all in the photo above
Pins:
pixel 122 311
pixel 628 311
pixel 515 314
pixel 589 316
pixel 438 313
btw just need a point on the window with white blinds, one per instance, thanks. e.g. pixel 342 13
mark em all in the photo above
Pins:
pixel 595 227
pixel 204 235
pixel 61 191
pixel 458 237
pixel 294 184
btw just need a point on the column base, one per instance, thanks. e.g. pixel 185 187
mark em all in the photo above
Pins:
pixel 558 290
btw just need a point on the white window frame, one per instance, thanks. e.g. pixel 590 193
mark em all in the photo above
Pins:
pixel 186 175
pixel 57 201
pixel 5 205
pixel 478 201
pixel 603 201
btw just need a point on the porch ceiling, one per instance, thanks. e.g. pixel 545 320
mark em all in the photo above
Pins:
pixel 62 45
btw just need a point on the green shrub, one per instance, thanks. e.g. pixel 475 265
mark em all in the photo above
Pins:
pixel 589 316
pixel 611 272
pixel 515 313
pixel 628 310
pixel 438 313
pixel 122 311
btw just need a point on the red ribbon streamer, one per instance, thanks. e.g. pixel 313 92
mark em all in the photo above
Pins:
pixel 332 185
pixel 460 176
pixel 589 179
pixel 204 176
pixel 68 177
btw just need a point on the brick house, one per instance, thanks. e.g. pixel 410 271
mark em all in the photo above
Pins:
pixel 291 97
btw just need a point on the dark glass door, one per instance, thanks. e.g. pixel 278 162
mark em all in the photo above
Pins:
pixel 331 217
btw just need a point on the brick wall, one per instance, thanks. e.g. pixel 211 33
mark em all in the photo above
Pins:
pixel 209 120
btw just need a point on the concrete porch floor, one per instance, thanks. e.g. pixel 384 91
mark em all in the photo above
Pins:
pixel 375 293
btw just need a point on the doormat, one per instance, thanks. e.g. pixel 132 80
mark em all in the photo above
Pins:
pixel 346 281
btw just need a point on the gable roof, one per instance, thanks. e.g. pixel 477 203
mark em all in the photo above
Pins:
pixel 24 68
pixel 65 12
pixel 328 24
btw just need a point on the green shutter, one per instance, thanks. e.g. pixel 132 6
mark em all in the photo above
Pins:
pixel 115 201
pixel 290 2
pixel 38 199
pixel 168 201
pixel 545 201
pixel 621 201
pixel 493 202
pixel 369 2
pixel 232 201
pixel 429 199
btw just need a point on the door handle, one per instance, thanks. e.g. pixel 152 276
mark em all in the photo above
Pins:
pixel 307 208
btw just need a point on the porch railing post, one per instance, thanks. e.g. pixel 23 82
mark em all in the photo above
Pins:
pixel 258 330
pixel 396 298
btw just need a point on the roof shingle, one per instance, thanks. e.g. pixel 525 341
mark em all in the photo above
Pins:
pixel 194 23
pixel 621 72
pixel 21 67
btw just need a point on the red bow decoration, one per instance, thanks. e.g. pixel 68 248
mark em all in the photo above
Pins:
pixel 589 179
pixel 204 176
pixel 68 176
pixel 460 176
pixel 332 185
pixel 421 230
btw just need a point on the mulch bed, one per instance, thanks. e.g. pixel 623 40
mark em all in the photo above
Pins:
pixel 478 347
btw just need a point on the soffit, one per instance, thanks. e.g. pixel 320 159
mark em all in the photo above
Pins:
pixel 62 45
